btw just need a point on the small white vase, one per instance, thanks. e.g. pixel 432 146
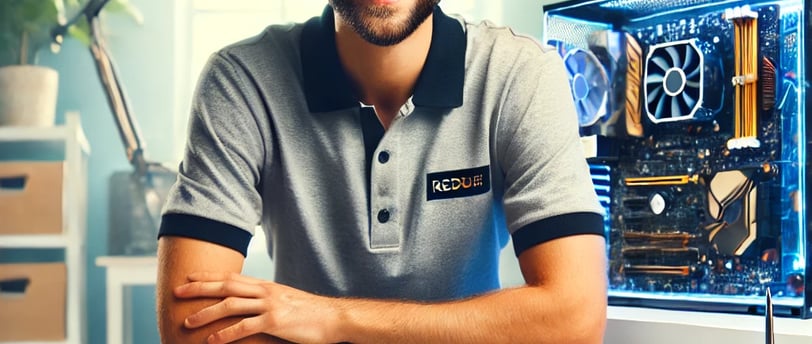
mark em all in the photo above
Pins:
pixel 28 95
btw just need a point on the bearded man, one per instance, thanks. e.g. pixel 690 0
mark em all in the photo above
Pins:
pixel 389 151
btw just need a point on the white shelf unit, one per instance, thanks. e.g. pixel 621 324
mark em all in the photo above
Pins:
pixel 74 209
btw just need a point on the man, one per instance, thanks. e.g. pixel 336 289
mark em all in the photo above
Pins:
pixel 385 147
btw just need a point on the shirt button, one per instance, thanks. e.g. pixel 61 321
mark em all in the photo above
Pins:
pixel 383 157
pixel 383 216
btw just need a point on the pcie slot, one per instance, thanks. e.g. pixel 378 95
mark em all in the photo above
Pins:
pixel 680 239
pixel 657 250
pixel 660 256
pixel 662 180
pixel 676 235
pixel 681 270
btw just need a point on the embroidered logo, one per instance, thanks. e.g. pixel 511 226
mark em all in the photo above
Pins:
pixel 459 183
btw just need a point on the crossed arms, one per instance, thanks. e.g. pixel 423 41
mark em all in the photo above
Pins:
pixel 202 298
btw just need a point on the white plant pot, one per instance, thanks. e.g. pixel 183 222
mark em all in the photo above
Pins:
pixel 28 95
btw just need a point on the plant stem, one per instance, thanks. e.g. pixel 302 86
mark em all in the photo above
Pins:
pixel 24 48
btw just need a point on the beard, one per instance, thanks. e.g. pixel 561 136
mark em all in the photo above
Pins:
pixel 380 24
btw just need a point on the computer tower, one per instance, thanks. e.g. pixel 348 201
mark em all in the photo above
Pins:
pixel 695 115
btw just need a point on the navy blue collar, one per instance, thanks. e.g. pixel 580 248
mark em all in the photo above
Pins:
pixel 327 87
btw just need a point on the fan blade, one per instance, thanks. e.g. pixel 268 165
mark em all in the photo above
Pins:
pixel 660 106
pixel 592 108
pixel 688 100
pixel 694 93
pixel 676 111
pixel 694 73
pixel 582 62
pixel 689 57
pixel 676 60
pixel 661 62
pixel 572 65
pixel 692 84
pixel 654 79
pixel 596 95
pixel 590 71
pixel 653 95
pixel 583 113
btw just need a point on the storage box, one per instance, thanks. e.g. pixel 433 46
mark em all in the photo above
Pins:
pixel 32 301
pixel 31 197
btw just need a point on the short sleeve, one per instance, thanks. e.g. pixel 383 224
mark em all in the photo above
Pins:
pixel 217 195
pixel 548 192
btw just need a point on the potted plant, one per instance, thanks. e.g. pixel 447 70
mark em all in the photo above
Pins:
pixel 28 92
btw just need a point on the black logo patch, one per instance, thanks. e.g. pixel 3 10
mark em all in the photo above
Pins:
pixel 459 183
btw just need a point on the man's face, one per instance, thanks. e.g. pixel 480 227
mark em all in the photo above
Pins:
pixel 384 22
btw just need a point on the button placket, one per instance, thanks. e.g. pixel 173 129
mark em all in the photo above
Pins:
pixel 384 227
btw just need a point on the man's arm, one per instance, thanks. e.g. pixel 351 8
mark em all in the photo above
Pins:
pixel 177 258
pixel 564 301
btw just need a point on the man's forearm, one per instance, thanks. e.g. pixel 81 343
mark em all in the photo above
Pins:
pixel 564 301
pixel 547 310
pixel 177 256
pixel 173 331
pixel 519 315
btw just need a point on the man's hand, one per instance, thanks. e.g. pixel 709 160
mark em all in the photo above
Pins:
pixel 266 307
pixel 178 258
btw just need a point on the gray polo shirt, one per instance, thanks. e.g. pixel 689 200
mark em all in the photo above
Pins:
pixel 487 146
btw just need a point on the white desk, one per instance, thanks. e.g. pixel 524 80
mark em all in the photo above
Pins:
pixel 123 272
pixel 631 325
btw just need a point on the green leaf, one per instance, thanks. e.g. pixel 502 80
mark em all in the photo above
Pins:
pixel 35 19
pixel 80 33
pixel 32 23
pixel 125 7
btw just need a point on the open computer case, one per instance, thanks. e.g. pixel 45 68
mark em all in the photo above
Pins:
pixel 695 116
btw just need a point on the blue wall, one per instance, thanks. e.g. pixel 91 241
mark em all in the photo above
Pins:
pixel 144 55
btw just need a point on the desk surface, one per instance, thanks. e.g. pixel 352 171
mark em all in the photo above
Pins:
pixel 624 322
pixel 740 322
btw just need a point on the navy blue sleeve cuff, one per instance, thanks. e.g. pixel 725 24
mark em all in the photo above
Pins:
pixel 201 228
pixel 556 227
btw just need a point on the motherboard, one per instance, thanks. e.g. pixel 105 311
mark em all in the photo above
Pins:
pixel 696 113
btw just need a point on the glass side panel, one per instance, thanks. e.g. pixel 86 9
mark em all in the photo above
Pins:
pixel 698 114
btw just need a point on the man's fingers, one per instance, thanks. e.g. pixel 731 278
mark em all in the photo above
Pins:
pixel 204 276
pixel 230 307
pixel 240 330
pixel 220 289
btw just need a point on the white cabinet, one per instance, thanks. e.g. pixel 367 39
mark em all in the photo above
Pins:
pixel 72 238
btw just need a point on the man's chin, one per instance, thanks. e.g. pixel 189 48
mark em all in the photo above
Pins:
pixel 383 40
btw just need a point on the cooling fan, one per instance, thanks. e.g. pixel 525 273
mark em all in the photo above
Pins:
pixel 673 81
pixel 589 84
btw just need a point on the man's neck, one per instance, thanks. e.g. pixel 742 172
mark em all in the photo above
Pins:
pixel 383 76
